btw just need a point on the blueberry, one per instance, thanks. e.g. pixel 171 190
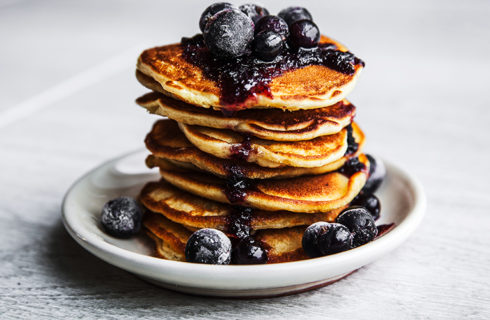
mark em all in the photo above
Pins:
pixel 267 45
pixel 377 173
pixel 368 201
pixel 209 246
pixel 323 238
pixel 229 33
pixel 311 237
pixel 337 239
pixel 293 14
pixel 254 11
pixel 360 222
pixel 273 23
pixel 249 251
pixel 211 11
pixel 121 217
pixel 304 33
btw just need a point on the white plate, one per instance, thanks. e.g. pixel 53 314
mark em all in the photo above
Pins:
pixel 402 198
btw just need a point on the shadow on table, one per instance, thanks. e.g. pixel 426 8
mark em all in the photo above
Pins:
pixel 77 273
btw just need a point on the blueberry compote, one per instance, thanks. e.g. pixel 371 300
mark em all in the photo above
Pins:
pixel 352 144
pixel 352 166
pixel 239 221
pixel 242 150
pixel 237 185
pixel 243 78
pixel 246 250
pixel 236 191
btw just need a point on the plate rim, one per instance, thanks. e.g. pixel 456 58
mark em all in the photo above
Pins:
pixel 226 274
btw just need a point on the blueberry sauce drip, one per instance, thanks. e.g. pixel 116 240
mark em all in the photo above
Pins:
pixel 352 145
pixel 239 222
pixel 237 185
pixel 245 248
pixel 236 188
pixel 352 166
pixel 384 228
pixel 246 77
pixel 242 150
pixel 234 170
pixel 238 225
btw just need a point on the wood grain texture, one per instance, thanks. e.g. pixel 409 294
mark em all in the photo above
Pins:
pixel 423 102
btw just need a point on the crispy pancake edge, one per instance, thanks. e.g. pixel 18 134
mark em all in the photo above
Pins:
pixel 301 125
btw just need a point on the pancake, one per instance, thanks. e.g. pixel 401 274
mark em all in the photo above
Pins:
pixel 228 144
pixel 308 194
pixel 282 245
pixel 171 148
pixel 170 238
pixel 164 69
pixel 273 124
pixel 195 212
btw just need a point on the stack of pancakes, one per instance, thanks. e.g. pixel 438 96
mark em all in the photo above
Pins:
pixel 284 160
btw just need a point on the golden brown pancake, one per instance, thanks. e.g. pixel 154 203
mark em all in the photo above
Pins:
pixel 195 212
pixel 273 124
pixel 170 237
pixel 171 148
pixel 164 69
pixel 308 194
pixel 282 245
pixel 228 144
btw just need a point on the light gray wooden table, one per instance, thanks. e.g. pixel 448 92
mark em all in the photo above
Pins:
pixel 67 91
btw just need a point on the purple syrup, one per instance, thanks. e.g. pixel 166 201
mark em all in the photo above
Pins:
pixel 239 222
pixel 234 170
pixel 352 145
pixel 236 190
pixel 352 166
pixel 242 78
pixel 241 151
pixel 237 185
pixel 384 228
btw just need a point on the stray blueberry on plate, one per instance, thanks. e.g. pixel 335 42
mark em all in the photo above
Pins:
pixel 337 239
pixel 254 11
pixel 249 251
pixel 311 236
pixel 323 238
pixel 229 33
pixel 377 173
pixel 293 14
pixel 273 23
pixel 208 246
pixel 121 217
pixel 211 11
pixel 368 201
pixel 267 45
pixel 304 33
pixel 360 222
